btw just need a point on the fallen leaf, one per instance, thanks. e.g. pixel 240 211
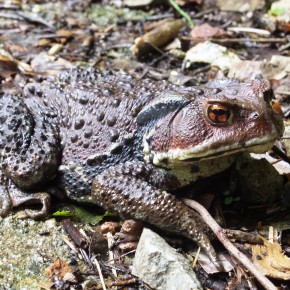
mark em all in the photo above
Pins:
pixel 277 68
pixel 240 6
pixel 214 54
pixel 206 31
pixel 49 65
pixel 9 65
pixel 245 69
pixel 157 37
pixel 58 269
pixel 271 260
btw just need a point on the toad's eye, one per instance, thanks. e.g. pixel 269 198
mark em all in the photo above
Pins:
pixel 219 114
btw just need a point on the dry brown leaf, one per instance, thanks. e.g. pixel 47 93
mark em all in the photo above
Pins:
pixel 271 260
pixel 58 269
pixel 10 66
pixel 206 31
pixel 67 34
pixel 157 37
pixel 7 66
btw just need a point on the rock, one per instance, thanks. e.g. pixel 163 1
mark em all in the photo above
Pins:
pixel 160 266
pixel 258 181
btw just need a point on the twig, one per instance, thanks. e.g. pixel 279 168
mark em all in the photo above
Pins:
pixel 128 253
pixel 86 257
pixel 249 30
pixel 242 40
pixel 258 40
pixel 97 264
pixel 204 12
pixel 70 244
pixel 243 237
pixel 124 282
pixel 181 12
pixel 201 70
pixel 159 17
pixel 196 258
pixel 111 254
pixel 74 233
pixel 221 235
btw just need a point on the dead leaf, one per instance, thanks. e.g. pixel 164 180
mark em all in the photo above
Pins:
pixel 9 65
pixel 240 6
pixel 245 69
pixel 58 269
pixel 206 31
pixel 214 54
pixel 276 107
pixel 49 65
pixel 158 37
pixel 277 68
pixel 271 260
pixel 67 34
pixel 110 227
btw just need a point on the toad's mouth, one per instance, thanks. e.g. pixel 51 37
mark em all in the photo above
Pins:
pixel 179 157
pixel 258 148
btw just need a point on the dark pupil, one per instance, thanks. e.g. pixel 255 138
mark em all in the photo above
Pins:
pixel 219 112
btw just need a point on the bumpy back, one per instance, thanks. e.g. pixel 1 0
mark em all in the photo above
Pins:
pixel 95 112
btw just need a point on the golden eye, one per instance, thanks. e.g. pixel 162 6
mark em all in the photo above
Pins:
pixel 218 113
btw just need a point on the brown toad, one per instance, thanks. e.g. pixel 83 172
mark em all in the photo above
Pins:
pixel 122 143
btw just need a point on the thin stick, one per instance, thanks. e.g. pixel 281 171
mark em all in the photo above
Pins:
pixel 97 264
pixel 242 40
pixel 221 235
pixel 250 30
pixel 111 254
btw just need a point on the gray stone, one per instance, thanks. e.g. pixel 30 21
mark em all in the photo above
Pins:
pixel 258 181
pixel 160 266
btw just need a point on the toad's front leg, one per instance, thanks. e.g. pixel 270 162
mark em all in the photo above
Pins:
pixel 130 189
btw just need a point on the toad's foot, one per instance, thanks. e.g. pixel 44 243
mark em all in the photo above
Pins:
pixel 12 197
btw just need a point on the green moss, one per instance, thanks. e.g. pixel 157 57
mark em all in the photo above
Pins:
pixel 104 15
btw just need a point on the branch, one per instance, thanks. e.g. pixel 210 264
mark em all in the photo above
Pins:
pixel 221 235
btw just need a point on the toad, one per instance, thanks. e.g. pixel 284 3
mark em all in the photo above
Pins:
pixel 123 143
